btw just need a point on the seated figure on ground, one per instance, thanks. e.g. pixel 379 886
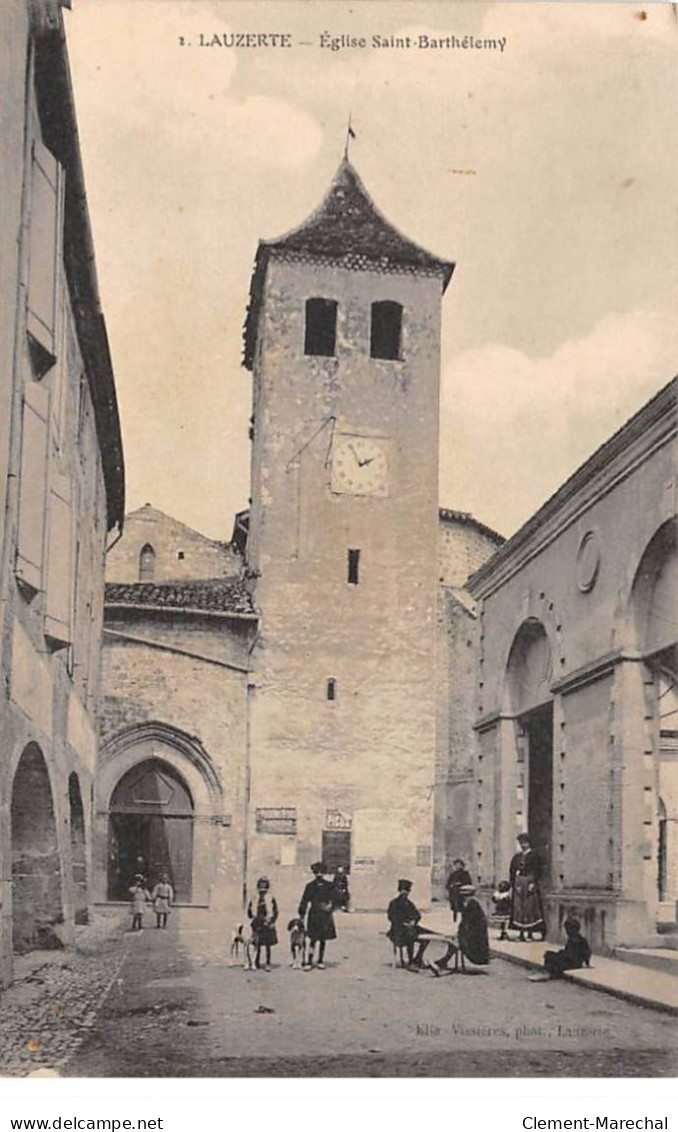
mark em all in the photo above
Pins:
pixel 404 930
pixel 575 954
pixel 472 938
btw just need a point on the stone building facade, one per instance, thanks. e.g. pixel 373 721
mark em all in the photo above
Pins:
pixel 464 544
pixel 61 482
pixel 171 787
pixel 313 697
pixel 158 548
pixel 575 697
pixel 343 340
pixel 177 691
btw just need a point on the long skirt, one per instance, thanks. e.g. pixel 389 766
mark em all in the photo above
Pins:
pixel 527 913
pixel 320 924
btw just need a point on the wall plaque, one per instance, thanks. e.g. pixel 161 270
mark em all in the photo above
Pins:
pixel 337 819
pixel 276 819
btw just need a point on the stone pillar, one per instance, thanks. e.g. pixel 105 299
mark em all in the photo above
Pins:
pixel 511 798
pixel 634 805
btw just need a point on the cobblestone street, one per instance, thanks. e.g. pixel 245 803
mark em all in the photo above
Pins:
pixel 52 1004
pixel 174 1006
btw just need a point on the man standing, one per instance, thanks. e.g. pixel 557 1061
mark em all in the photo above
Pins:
pixel 458 877
pixel 318 899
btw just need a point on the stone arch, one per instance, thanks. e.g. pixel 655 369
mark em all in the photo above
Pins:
pixel 654 593
pixel 529 668
pixel 78 850
pixel 529 700
pixel 652 631
pixel 179 766
pixel 183 751
pixel 37 897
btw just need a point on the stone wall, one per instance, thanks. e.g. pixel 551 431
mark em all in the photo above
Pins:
pixel 463 545
pixel 52 486
pixel 174 686
pixel 179 551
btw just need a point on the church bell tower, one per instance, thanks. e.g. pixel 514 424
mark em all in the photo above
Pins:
pixel 343 340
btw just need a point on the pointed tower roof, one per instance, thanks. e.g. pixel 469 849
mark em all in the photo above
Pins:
pixel 347 230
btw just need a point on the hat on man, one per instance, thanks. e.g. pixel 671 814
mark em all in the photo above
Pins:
pixel 467 890
pixel 318 868
pixel 404 885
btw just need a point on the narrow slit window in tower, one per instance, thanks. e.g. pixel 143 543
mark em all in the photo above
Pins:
pixel 353 565
pixel 331 689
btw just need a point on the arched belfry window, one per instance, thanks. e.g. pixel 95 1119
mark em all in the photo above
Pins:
pixel 385 329
pixel 147 563
pixel 320 337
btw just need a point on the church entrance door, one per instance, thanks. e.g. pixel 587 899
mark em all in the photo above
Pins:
pixel 537 726
pixel 150 830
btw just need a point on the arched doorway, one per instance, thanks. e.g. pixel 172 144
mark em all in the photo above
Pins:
pixel 529 676
pixel 655 616
pixel 37 905
pixel 78 850
pixel 150 830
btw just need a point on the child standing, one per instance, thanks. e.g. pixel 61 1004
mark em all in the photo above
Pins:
pixel 263 914
pixel 501 899
pixel 140 897
pixel 163 898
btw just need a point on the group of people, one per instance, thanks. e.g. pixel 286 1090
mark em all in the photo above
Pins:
pixel 407 933
pixel 320 899
pixel 161 897
pixel 518 903
pixel 519 907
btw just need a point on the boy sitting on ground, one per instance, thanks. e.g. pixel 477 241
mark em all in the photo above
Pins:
pixel 575 954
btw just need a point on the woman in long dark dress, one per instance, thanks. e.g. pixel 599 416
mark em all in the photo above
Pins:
pixel 318 900
pixel 527 911
pixel 472 938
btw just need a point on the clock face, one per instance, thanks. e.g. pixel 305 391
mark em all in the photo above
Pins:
pixel 360 466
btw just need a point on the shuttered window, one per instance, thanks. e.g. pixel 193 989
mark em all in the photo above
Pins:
pixel 59 603
pixel 44 248
pixel 33 487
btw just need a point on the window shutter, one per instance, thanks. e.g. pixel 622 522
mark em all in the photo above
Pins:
pixel 59 604
pixel 44 248
pixel 32 487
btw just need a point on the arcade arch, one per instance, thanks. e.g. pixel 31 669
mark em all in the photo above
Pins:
pixel 654 619
pixel 37 901
pixel 529 674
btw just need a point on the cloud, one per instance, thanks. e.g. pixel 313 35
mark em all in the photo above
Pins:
pixel 513 428
pixel 273 131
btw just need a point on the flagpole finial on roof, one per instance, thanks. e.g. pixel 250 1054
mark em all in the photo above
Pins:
pixel 350 133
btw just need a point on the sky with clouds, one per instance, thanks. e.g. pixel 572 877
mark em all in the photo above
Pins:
pixel 546 171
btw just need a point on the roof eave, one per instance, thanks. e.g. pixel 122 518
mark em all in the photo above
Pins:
pixel 58 120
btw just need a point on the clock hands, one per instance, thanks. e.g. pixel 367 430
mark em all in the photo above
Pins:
pixel 361 463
